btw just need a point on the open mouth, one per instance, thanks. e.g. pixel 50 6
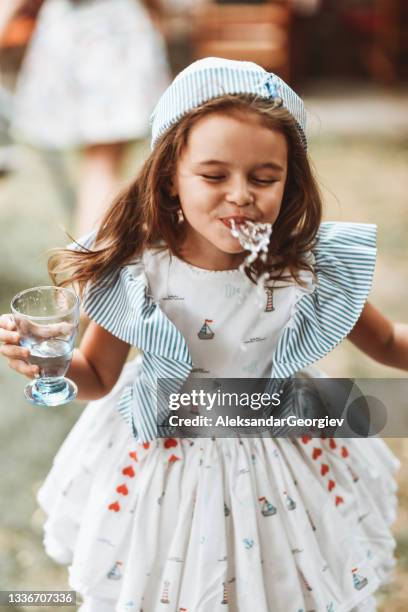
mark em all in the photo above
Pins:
pixel 229 221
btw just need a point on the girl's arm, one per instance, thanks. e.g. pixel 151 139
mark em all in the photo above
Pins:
pixel 380 338
pixel 97 363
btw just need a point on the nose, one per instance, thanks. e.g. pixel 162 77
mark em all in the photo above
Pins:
pixel 239 192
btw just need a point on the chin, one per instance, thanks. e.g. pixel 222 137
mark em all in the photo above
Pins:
pixel 232 247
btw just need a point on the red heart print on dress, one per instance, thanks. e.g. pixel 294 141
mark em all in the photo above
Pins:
pixel 173 458
pixel 133 455
pixel 146 445
pixel 128 471
pixel 115 506
pixel 122 489
pixel 316 453
pixel 170 442
pixel 332 443
pixel 306 439
pixel 344 451
pixel 339 500
pixel 331 485
pixel 324 469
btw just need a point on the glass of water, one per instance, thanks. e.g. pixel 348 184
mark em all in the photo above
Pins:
pixel 47 320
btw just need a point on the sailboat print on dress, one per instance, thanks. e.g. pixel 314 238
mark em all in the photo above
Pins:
pixel 290 504
pixel 206 333
pixel 115 573
pixel 225 594
pixel 267 509
pixel 165 595
pixel 269 300
pixel 359 582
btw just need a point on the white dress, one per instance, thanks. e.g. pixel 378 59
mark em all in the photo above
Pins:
pixel 93 73
pixel 219 525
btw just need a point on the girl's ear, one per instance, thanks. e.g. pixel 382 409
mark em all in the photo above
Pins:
pixel 173 191
pixel 170 187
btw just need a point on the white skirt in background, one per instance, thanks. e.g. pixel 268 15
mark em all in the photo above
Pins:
pixel 223 525
pixel 93 73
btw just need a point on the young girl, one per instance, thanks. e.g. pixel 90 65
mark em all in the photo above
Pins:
pixel 206 525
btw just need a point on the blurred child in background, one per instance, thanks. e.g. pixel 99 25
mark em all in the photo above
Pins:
pixel 91 75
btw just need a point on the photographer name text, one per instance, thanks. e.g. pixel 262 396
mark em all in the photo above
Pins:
pixel 238 421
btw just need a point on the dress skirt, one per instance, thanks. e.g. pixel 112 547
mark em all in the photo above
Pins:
pixel 93 73
pixel 219 525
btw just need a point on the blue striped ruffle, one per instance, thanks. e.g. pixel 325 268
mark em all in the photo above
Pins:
pixel 122 305
pixel 345 255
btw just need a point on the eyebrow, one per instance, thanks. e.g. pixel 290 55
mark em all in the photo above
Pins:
pixel 217 162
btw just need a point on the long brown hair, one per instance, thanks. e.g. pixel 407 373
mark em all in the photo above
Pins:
pixel 145 215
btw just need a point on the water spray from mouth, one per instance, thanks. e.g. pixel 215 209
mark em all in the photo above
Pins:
pixel 253 237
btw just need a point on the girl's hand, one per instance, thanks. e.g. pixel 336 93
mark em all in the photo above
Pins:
pixel 9 347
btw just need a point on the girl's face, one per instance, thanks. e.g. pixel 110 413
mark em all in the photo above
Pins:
pixel 233 167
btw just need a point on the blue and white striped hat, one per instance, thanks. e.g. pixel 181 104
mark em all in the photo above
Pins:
pixel 213 77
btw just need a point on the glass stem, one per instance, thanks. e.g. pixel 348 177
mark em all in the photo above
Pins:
pixel 50 385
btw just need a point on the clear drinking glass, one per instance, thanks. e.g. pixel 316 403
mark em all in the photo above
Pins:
pixel 47 320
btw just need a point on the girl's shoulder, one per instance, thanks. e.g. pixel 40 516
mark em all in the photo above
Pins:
pixel 346 235
pixel 344 254
pixel 343 259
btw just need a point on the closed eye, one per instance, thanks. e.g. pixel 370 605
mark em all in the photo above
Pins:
pixel 213 177
pixel 264 181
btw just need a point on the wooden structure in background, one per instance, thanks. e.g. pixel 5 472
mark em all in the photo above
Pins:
pixel 252 32
pixel 381 36
pixel 390 44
